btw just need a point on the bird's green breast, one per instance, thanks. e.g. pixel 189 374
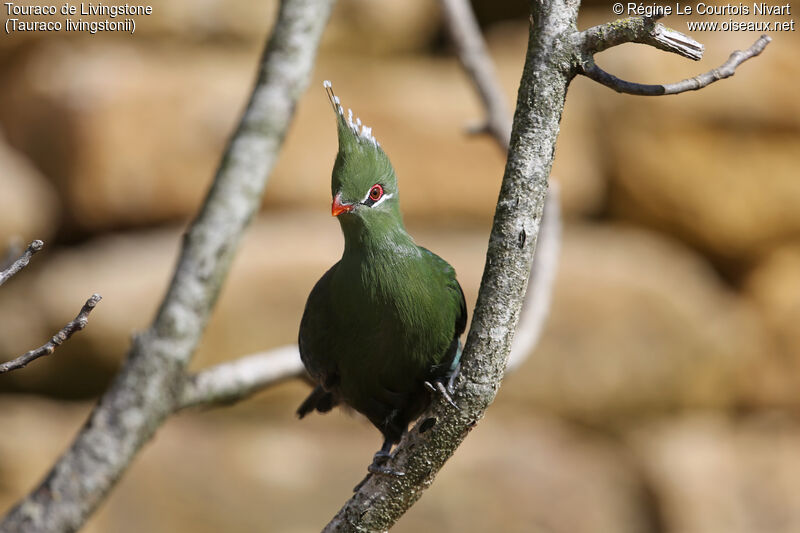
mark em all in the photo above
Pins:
pixel 395 316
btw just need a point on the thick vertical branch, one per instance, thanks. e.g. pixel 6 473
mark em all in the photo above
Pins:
pixel 147 388
pixel 549 66
pixel 474 58
pixel 541 283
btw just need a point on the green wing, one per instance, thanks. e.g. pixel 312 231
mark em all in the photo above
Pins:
pixel 452 283
pixel 315 328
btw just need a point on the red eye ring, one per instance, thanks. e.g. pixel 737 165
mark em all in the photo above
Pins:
pixel 376 192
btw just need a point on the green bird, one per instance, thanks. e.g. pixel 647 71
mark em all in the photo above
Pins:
pixel 381 328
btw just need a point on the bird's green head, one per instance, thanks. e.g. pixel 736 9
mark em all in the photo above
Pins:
pixel 363 183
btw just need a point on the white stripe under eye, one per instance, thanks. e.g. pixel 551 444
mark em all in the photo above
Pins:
pixel 384 197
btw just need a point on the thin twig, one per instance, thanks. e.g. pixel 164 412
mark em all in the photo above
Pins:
pixel 22 262
pixel 147 389
pixel 12 252
pixel 234 381
pixel 471 50
pixel 59 338
pixel 726 70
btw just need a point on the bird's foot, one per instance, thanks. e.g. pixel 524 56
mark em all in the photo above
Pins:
pixel 451 378
pixel 378 466
pixel 445 386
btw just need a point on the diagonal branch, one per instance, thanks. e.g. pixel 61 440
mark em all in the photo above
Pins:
pixel 12 253
pixel 22 262
pixel 474 57
pixel 59 338
pixel 146 390
pixel 726 70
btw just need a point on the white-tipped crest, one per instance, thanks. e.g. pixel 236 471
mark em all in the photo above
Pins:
pixel 359 130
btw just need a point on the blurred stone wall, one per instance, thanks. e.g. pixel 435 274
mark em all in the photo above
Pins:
pixel 664 394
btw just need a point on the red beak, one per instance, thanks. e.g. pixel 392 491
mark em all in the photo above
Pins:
pixel 337 207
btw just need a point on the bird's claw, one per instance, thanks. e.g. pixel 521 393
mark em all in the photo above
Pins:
pixel 384 471
pixel 379 467
pixel 380 457
pixel 379 470
pixel 438 386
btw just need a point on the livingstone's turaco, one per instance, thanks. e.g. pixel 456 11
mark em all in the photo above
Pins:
pixel 381 328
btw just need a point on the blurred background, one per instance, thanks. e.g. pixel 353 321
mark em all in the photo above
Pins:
pixel 663 396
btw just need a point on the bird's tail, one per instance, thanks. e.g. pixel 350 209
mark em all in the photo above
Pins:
pixel 319 400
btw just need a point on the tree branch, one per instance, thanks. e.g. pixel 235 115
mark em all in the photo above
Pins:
pixel 381 500
pixel 539 294
pixel 63 334
pixel 22 262
pixel 148 387
pixel 642 30
pixel 726 70
pixel 475 59
pixel 12 253
pixel 234 381
pixel 645 30
pixel 50 346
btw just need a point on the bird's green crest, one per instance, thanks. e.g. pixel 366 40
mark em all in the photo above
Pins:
pixel 361 163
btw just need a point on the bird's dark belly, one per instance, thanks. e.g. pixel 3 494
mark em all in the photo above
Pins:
pixel 382 369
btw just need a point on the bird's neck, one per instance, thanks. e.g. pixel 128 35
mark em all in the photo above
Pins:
pixel 378 261
pixel 383 236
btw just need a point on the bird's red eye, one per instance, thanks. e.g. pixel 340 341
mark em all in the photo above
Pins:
pixel 375 192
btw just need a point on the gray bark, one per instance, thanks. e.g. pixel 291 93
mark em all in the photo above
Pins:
pixel 63 335
pixel 21 262
pixel 462 26
pixel 230 382
pixel 726 70
pixel 148 387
